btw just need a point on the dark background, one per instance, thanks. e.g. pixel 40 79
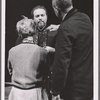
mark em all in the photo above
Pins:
pixel 16 8
pixel 0 49
pixel 99 52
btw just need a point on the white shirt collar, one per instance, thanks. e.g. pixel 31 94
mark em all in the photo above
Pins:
pixel 64 16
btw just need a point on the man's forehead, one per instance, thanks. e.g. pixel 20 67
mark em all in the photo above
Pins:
pixel 39 11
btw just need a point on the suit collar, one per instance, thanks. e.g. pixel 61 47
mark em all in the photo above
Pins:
pixel 70 13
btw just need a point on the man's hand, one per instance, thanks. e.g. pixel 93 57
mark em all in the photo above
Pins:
pixel 50 49
pixel 52 27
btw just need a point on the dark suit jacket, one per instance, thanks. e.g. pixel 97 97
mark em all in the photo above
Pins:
pixel 50 41
pixel 73 64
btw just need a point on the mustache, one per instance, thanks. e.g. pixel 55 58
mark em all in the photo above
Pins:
pixel 41 22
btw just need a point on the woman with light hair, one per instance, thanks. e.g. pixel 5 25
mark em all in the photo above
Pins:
pixel 25 26
pixel 26 64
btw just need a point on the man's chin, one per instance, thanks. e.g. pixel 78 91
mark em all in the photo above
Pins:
pixel 41 26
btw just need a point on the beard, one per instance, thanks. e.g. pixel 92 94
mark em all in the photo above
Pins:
pixel 41 25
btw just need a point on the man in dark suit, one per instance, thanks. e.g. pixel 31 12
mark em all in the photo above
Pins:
pixel 72 69
pixel 45 36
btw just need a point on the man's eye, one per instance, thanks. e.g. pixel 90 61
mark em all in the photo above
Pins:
pixel 37 16
pixel 42 15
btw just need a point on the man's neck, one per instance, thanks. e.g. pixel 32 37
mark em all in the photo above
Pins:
pixel 66 12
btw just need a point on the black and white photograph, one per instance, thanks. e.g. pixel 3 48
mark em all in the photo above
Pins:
pixel 49 50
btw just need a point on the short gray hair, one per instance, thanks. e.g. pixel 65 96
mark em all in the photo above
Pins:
pixel 25 26
pixel 63 4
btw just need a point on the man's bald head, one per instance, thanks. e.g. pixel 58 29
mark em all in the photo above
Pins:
pixel 62 4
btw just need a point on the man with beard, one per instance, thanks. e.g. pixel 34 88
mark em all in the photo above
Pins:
pixel 45 35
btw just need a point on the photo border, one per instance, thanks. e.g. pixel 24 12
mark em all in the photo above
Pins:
pixel 0 49
pixel 96 49
pixel 3 10
pixel 99 49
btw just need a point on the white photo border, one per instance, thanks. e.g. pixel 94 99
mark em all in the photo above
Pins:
pixel 3 7
pixel 95 48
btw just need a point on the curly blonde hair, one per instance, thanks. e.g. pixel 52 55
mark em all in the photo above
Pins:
pixel 25 26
